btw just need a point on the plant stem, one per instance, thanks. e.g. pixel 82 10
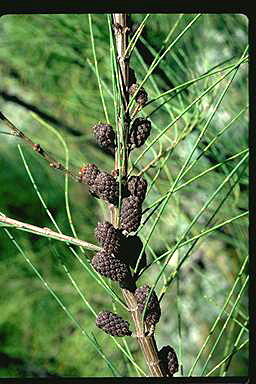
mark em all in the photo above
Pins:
pixel 147 342
pixel 47 232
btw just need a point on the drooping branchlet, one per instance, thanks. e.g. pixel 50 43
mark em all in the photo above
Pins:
pixel 153 311
pixel 168 361
pixel 110 266
pixel 140 131
pixel 131 213
pixel 105 135
pixel 113 324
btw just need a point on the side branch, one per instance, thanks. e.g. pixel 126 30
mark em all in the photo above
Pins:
pixel 47 232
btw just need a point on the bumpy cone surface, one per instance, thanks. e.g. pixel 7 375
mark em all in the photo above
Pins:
pixel 131 213
pixel 168 360
pixel 140 131
pixel 113 324
pixel 110 266
pixel 130 250
pixel 141 97
pixel 153 311
pixel 105 135
pixel 108 237
pixel 137 186
pixel 107 187
pixel 133 88
pixel 88 175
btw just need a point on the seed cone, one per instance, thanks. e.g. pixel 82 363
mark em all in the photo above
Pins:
pixel 108 237
pixel 137 186
pixel 153 311
pixel 113 324
pixel 105 135
pixel 106 187
pixel 133 88
pixel 141 97
pixel 110 266
pixel 131 247
pixel 168 361
pixel 140 131
pixel 88 175
pixel 131 213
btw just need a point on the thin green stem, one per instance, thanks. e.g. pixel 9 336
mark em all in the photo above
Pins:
pixel 135 37
pixel 96 68
pixel 160 56
pixel 63 307
pixel 223 328
pixel 238 278
pixel 227 358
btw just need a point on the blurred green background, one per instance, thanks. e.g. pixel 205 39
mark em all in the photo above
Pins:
pixel 47 67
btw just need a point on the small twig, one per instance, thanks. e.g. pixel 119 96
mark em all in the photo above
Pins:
pixel 38 149
pixel 47 232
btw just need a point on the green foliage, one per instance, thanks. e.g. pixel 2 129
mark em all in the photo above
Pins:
pixel 196 165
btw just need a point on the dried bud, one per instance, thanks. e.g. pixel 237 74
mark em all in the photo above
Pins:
pixel 168 361
pixel 111 266
pixel 131 213
pixel 105 135
pixel 140 131
pixel 137 186
pixel 113 324
pixel 153 311
pixel 108 237
pixel 106 187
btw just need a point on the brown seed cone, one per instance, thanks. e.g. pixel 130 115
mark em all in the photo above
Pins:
pixel 105 135
pixel 107 188
pixel 137 186
pixel 111 266
pixel 168 361
pixel 131 213
pixel 133 88
pixel 113 324
pixel 108 237
pixel 130 250
pixel 140 131
pixel 141 97
pixel 89 173
pixel 153 311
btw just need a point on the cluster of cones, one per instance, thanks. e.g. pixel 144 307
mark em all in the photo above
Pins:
pixel 121 251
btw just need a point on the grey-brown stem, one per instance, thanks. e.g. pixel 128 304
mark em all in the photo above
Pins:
pixel 147 342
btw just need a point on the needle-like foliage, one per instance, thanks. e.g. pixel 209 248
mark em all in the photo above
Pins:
pixel 191 159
